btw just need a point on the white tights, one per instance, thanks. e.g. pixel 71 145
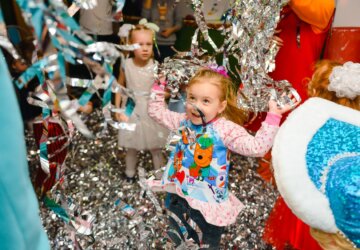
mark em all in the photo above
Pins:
pixel 131 160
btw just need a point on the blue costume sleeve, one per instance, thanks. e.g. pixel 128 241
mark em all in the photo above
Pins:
pixel 20 224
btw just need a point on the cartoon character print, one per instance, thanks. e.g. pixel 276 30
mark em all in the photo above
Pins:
pixel 221 177
pixel 177 165
pixel 198 167
pixel 219 194
pixel 203 152
pixel 188 136
pixel 184 137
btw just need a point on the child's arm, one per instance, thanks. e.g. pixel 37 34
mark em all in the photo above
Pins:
pixel 238 140
pixel 158 111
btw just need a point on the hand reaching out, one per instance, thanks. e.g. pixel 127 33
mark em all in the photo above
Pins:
pixel 118 16
pixel 166 32
pixel 121 117
pixel 279 42
pixel 290 104
pixel 160 85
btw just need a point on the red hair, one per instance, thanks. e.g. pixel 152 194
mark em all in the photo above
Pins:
pixel 318 85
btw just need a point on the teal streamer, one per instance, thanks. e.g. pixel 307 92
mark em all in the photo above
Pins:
pixel 129 106
pixel 34 70
pixel 67 36
pixel 43 151
pixel 107 93
pixel 69 21
pixel 36 11
pixel 55 42
pixel 38 22
pixel 69 58
pixel 108 68
pixel 85 97
pixel 57 209
pixel 46 112
pixel 30 73
pixel 1 17
pixel 61 63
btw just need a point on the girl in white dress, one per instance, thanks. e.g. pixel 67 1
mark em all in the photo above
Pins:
pixel 137 74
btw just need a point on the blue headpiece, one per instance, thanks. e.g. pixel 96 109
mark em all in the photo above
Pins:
pixel 316 158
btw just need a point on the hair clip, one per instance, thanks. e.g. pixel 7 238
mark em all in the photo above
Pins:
pixel 219 69
pixel 125 29
pixel 148 25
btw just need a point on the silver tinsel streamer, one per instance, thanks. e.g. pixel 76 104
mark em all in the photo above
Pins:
pixel 178 71
pixel 202 26
pixel 86 4
pixel 6 44
pixel 4 40
pixel 248 30
pixel 251 42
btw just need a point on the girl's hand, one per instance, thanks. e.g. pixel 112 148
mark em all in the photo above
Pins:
pixel 160 85
pixel 275 109
pixel 121 117
pixel 277 39
pixel 87 109
pixel 166 32
pixel 118 16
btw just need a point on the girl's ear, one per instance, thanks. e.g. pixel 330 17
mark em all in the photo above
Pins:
pixel 223 105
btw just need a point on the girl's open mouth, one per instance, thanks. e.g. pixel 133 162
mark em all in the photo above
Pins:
pixel 196 115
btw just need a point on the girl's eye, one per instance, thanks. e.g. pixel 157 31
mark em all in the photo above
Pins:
pixel 206 101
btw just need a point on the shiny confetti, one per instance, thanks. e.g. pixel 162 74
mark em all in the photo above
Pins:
pixel 94 207
pixel 124 215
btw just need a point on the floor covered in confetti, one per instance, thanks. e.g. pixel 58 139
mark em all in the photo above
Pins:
pixel 95 208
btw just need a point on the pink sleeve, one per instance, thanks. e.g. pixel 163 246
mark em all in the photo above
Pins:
pixel 273 119
pixel 238 140
pixel 161 114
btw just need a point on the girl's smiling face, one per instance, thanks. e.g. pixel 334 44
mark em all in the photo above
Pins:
pixel 204 95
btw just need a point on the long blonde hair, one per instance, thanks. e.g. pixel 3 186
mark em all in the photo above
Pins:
pixel 318 85
pixel 231 112
pixel 331 241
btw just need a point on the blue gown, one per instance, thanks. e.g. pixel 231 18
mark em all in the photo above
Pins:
pixel 20 224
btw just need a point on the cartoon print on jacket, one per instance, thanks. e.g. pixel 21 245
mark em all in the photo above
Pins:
pixel 199 164
pixel 202 158
pixel 177 163
pixel 221 178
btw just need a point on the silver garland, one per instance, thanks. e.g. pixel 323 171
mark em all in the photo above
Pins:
pixel 248 29
pixel 251 41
